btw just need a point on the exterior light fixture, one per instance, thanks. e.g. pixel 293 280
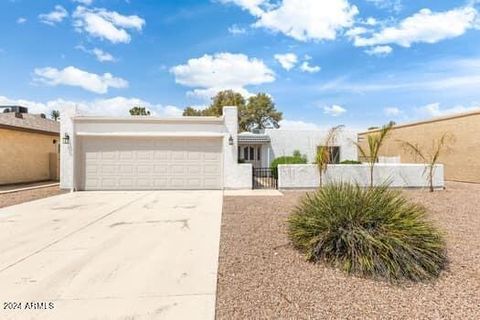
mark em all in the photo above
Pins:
pixel 66 139
pixel 230 141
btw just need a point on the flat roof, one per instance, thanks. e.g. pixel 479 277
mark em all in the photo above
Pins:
pixel 431 120
pixel 147 119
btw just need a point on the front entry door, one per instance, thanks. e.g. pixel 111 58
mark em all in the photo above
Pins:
pixel 252 154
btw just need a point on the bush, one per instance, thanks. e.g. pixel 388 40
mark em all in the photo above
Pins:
pixel 297 158
pixel 371 232
pixel 350 162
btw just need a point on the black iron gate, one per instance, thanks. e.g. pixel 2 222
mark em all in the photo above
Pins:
pixel 265 178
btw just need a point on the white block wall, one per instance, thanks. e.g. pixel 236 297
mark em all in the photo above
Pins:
pixel 236 176
pixel 398 175
pixel 67 163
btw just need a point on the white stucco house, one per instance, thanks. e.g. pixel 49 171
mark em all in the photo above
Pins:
pixel 142 153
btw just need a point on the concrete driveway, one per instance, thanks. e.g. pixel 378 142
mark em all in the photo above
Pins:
pixel 111 255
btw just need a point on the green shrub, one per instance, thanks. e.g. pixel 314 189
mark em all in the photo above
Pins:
pixel 371 232
pixel 350 162
pixel 296 158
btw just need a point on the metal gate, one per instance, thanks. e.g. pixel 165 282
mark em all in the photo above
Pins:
pixel 265 178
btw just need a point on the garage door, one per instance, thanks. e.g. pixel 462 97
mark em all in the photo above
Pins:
pixel 153 163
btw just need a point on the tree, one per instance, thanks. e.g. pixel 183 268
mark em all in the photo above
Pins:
pixel 375 142
pixel 430 156
pixel 191 112
pixel 55 115
pixel 139 111
pixel 221 99
pixel 260 113
pixel 324 154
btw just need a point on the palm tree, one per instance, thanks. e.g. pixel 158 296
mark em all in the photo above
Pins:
pixel 55 115
pixel 430 157
pixel 375 142
pixel 324 151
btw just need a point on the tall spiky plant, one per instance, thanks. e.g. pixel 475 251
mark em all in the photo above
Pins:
pixel 430 156
pixel 375 143
pixel 324 151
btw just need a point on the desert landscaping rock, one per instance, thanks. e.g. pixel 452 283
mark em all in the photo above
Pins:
pixel 262 277
pixel 10 199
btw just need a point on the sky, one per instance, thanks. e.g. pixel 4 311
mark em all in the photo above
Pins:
pixel 360 63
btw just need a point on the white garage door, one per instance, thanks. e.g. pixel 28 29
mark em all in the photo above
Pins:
pixel 151 163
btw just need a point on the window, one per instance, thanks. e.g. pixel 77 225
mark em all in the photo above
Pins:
pixel 334 155
pixel 245 153
pixel 259 149
pixel 252 156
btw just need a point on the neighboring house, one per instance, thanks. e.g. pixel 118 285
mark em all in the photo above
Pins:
pixel 29 146
pixel 144 152
pixel 462 162
pixel 260 148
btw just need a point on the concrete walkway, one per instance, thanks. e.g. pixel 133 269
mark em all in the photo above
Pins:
pixel 112 255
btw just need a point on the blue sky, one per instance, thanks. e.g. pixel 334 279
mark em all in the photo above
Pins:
pixel 359 63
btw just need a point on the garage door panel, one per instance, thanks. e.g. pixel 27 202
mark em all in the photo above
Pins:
pixel 126 169
pixel 211 156
pixel 159 183
pixel 162 155
pixel 109 155
pixel 144 169
pixel 160 163
pixel 108 169
pixel 161 170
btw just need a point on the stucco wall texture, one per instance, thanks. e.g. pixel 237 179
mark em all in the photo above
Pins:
pixel 462 161
pixel 24 156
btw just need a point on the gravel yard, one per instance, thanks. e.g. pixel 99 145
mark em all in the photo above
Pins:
pixel 262 277
pixel 10 199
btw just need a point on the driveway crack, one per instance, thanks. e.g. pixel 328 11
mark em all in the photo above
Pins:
pixel 73 232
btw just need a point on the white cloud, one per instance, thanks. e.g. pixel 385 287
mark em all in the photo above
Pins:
pixel 371 21
pixel 210 74
pixel 236 30
pixel 434 110
pixel 298 125
pixel 393 5
pixel 392 111
pixel 380 51
pixel 306 67
pixel 21 20
pixel 451 76
pixel 253 6
pixel 287 60
pixel 117 106
pixel 54 17
pixel 303 20
pixel 109 25
pixel 84 2
pixel 334 110
pixel 71 76
pixel 101 55
pixel 424 26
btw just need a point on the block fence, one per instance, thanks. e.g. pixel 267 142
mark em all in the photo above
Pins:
pixel 298 176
